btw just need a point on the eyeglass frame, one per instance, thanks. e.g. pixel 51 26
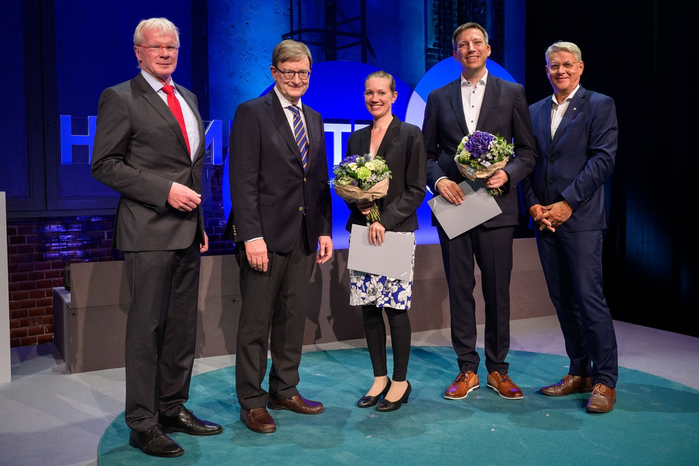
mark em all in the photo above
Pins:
pixel 171 49
pixel 294 73
pixel 554 67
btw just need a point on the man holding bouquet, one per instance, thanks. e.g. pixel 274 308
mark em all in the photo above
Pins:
pixel 478 101
pixel 576 134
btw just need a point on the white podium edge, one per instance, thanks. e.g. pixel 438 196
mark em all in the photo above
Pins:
pixel 5 359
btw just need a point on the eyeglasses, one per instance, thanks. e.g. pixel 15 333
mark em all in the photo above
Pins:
pixel 288 74
pixel 554 67
pixel 155 49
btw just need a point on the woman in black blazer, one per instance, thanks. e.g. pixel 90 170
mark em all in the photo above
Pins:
pixel 402 147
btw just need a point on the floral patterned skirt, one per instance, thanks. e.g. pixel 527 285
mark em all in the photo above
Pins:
pixel 375 290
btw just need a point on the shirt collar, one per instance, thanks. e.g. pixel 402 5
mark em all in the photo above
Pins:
pixel 567 99
pixel 284 101
pixel 483 81
pixel 154 83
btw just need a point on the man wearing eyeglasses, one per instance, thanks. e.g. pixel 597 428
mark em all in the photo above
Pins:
pixel 280 222
pixel 576 137
pixel 149 147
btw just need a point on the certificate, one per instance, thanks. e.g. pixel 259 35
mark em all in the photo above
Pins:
pixel 392 259
pixel 477 207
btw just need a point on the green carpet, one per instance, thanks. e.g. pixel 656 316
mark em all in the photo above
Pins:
pixel 655 421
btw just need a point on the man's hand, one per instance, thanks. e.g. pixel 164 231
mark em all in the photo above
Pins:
pixel 497 179
pixel 450 191
pixel 256 253
pixel 325 250
pixel 376 234
pixel 558 213
pixel 182 198
pixel 204 247
pixel 551 216
pixel 536 212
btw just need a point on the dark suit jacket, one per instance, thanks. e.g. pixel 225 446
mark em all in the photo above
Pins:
pixel 269 190
pixel 574 165
pixel 140 151
pixel 404 152
pixel 504 112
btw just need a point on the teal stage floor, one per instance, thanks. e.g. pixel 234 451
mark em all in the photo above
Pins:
pixel 655 421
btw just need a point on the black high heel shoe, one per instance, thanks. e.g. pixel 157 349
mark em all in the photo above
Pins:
pixel 386 405
pixel 369 401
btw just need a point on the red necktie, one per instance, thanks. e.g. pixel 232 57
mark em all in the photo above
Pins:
pixel 174 105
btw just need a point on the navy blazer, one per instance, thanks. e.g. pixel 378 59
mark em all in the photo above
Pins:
pixel 140 151
pixel 269 190
pixel 574 165
pixel 404 152
pixel 504 112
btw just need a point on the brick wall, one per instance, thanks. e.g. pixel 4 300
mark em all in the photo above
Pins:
pixel 40 249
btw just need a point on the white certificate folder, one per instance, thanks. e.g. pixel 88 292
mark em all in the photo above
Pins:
pixel 392 259
pixel 477 207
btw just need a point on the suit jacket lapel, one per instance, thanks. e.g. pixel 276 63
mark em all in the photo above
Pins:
pixel 391 132
pixel 161 107
pixel 197 151
pixel 458 105
pixel 492 90
pixel 574 107
pixel 276 113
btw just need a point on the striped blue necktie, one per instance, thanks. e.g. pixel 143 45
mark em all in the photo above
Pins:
pixel 300 135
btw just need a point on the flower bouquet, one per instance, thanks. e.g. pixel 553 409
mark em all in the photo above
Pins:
pixel 480 154
pixel 359 179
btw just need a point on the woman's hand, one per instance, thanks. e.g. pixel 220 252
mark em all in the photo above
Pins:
pixel 376 234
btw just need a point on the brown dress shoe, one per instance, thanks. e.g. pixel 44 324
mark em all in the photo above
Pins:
pixel 297 404
pixel 602 399
pixel 465 383
pixel 569 384
pixel 258 420
pixel 503 384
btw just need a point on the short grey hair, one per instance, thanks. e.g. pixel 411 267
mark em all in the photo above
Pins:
pixel 162 25
pixel 291 50
pixel 562 46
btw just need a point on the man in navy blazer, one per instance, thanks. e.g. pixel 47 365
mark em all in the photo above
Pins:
pixel 155 162
pixel 576 138
pixel 478 101
pixel 281 214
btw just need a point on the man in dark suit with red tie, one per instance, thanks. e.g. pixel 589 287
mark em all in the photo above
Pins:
pixel 478 101
pixel 576 136
pixel 149 147
pixel 280 218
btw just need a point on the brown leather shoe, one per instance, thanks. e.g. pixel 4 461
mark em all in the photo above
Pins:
pixel 465 383
pixel 297 404
pixel 503 384
pixel 602 399
pixel 258 420
pixel 569 384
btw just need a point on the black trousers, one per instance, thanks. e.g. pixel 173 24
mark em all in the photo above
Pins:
pixel 375 332
pixel 272 301
pixel 492 250
pixel 161 333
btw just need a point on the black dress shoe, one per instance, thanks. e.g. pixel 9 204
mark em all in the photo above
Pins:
pixel 386 405
pixel 154 442
pixel 188 423
pixel 369 401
